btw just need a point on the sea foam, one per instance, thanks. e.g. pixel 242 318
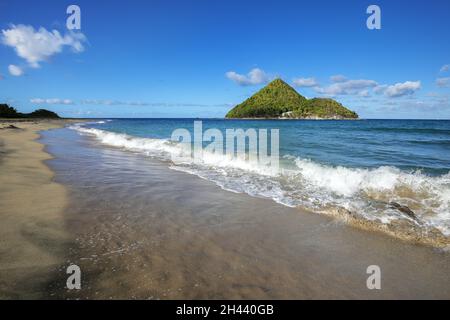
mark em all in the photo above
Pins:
pixel 308 184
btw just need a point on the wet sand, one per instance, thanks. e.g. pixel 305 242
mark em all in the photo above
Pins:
pixel 31 206
pixel 141 230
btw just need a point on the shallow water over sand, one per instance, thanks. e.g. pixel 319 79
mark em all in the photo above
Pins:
pixel 141 230
pixel 367 168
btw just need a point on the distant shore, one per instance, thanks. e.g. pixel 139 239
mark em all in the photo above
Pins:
pixel 31 207
pixel 51 123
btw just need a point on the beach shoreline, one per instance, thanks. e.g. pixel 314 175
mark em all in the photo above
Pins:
pixel 149 232
pixel 31 209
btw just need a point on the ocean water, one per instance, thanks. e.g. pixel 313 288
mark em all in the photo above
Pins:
pixel 363 166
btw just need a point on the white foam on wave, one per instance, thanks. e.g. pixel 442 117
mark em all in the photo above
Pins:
pixel 307 183
pixel 168 149
pixel 429 197
pixel 347 181
pixel 120 140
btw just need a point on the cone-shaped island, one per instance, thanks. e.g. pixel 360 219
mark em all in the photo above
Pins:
pixel 280 101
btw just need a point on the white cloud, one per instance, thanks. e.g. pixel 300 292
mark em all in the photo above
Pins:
pixel 338 78
pixel 254 77
pixel 51 101
pixel 305 82
pixel 36 46
pixel 443 82
pixel 402 89
pixel 364 87
pixel 15 70
pixel 445 68
pixel 357 87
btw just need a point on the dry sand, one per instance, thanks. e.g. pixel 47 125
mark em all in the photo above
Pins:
pixel 31 205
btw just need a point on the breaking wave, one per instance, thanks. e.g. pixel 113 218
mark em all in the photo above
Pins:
pixel 383 195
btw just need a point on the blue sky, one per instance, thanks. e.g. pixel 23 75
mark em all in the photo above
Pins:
pixel 199 58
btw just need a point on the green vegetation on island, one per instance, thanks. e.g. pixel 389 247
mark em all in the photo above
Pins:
pixel 270 102
pixel 9 112
pixel 323 108
pixel 280 100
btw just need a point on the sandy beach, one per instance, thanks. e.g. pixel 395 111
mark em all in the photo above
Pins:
pixel 139 230
pixel 31 207
pixel 144 231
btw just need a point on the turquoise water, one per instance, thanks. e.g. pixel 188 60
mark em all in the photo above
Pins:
pixel 362 166
pixel 406 144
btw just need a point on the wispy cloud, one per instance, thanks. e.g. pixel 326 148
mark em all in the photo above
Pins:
pixel 443 82
pixel 445 68
pixel 305 82
pixel 36 46
pixel 348 87
pixel 364 87
pixel 338 78
pixel 110 102
pixel 380 89
pixel 15 70
pixel 51 101
pixel 254 77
